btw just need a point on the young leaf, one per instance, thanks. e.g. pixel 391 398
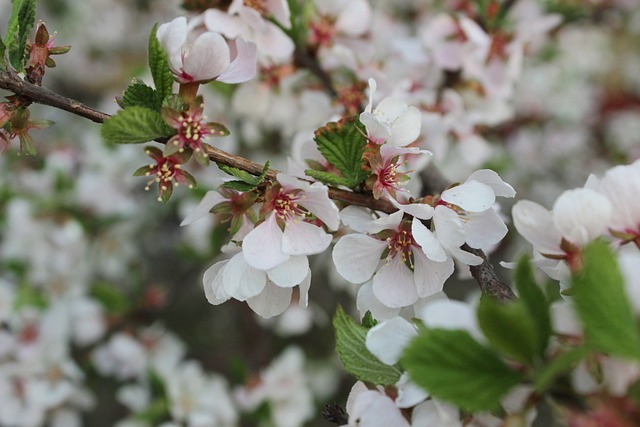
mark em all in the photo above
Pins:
pixel 509 328
pixel 452 366
pixel 239 186
pixel 342 143
pixel 357 360
pixel 602 304
pixel 535 302
pixel 327 178
pixel 21 22
pixel 562 364
pixel 138 94
pixel 159 66
pixel 3 48
pixel 247 182
pixel 134 125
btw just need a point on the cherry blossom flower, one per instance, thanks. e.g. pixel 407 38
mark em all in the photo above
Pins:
pixel 391 121
pixel 404 274
pixel 350 18
pixel 167 172
pixel 294 212
pixel 208 57
pixel 387 173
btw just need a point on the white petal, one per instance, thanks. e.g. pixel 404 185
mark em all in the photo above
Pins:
pixel 223 23
pixel 317 201
pixel 274 43
pixel 390 222
pixel 304 290
pixel 241 281
pixel 484 229
pixel 409 393
pixel 244 65
pixel 535 224
pixel 377 130
pixel 291 272
pixel 394 284
pixel 406 128
pixel 262 247
pixel 212 281
pixel 387 340
pixel 472 196
pixel 208 57
pixel 450 314
pixel 429 276
pixel 303 238
pixel 357 256
pixel 374 409
pixel 357 218
pixel 354 20
pixel 493 180
pixel 280 11
pixel 172 36
pixel 272 301
pixel 428 242
pixel 582 215
pixel 418 210
pixel 209 200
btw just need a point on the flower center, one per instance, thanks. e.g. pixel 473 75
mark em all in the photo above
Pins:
pixel 322 31
pixel 286 207
pixel 400 244
pixel 190 130
pixel 257 5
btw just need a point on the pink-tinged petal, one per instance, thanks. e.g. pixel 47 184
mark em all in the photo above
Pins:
pixel 273 301
pixel 388 152
pixel 535 224
pixel 367 301
pixel 274 43
pixel 450 314
pixel 582 215
pixel 212 281
pixel 304 291
pixel 172 36
pixel 316 200
pixel 280 11
pixel 472 196
pixel 484 229
pixel 389 222
pixel 357 256
pixel 377 131
pixel 303 238
pixel 493 180
pixel 394 284
pixel 374 409
pixel 241 281
pixel 228 25
pixel 291 272
pixel 428 242
pixel 244 65
pixel 355 19
pixel 387 340
pixel 262 247
pixel 208 57
pixel 406 129
pixel 429 276
pixel 209 200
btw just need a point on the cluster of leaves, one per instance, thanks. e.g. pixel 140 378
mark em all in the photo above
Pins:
pixel 21 21
pixel 453 366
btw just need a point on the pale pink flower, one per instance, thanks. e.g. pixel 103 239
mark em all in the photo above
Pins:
pixel 208 57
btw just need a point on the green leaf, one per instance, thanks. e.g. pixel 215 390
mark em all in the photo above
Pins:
pixel 3 49
pixel 138 94
pixel 509 329
pixel 239 186
pixel 562 364
pixel 342 143
pixel 602 304
pixel 23 16
pixel 134 125
pixel 28 296
pixel 247 182
pixel 327 178
pixel 357 360
pixel 368 321
pixel 535 302
pixel 111 298
pixel 159 66
pixel 452 366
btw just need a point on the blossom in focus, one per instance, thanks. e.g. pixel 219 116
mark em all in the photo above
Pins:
pixel 208 57
pixel 167 172
pixel 391 121
pixel 190 130
pixel 387 175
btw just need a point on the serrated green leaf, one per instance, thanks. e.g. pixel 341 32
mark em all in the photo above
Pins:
pixel 509 328
pixel 159 66
pixel 342 143
pixel 327 178
pixel 239 186
pixel 535 302
pixel 562 364
pixel 22 20
pixel 602 304
pixel 139 94
pixel 111 298
pixel 357 360
pixel 452 366
pixel 134 125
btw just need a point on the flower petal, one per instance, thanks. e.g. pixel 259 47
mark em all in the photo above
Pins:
pixel 262 247
pixel 387 340
pixel 430 275
pixel 493 180
pixel 472 196
pixel 209 200
pixel 581 215
pixel 535 224
pixel 367 301
pixel 244 65
pixel 291 272
pixel 241 281
pixel 208 57
pixel 394 284
pixel 357 256
pixel 212 281
pixel 303 238
pixel 316 200
pixel 428 242
pixel 273 300
pixel 406 128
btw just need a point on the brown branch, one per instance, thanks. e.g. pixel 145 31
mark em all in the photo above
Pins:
pixel 484 273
